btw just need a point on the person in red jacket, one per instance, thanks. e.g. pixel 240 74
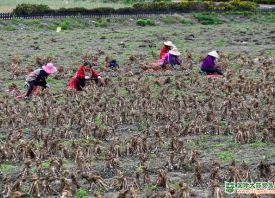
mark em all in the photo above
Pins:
pixel 79 79
pixel 168 45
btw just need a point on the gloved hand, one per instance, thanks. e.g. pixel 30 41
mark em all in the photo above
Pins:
pixel 26 85
pixel 87 77
pixel 48 86
pixel 99 77
pixel 26 97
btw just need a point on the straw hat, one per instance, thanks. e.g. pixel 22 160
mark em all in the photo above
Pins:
pixel 49 68
pixel 174 52
pixel 168 43
pixel 214 54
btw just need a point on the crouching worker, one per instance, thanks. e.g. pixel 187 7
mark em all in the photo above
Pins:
pixel 113 64
pixel 38 78
pixel 78 82
pixel 171 58
pixel 208 65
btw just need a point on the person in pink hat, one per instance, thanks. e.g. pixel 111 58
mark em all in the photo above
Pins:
pixel 38 78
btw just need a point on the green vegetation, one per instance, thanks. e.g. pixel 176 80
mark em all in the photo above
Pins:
pixel 268 18
pixel 142 124
pixel 67 23
pixel 58 85
pixel 170 19
pixel 197 6
pixel 175 185
pixel 45 165
pixel 7 168
pixel 226 143
pixel 8 6
pixel 145 22
pixel 90 139
pixel 257 144
pixel 186 21
pixel 175 93
pixel 207 19
pixel 81 193
pixel 221 42
pixel 272 154
pixel 29 9
pixel 102 22
pixel 98 122
pixel 270 52
pixel 149 188
pixel 234 66
pixel 226 156
pixel 64 24
pixel 176 19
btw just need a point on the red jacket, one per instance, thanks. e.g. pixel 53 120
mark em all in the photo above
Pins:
pixel 94 73
pixel 80 74
pixel 164 51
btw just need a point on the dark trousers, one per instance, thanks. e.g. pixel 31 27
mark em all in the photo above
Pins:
pixel 80 84
pixel 32 84
pixel 96 81
pixel 212 71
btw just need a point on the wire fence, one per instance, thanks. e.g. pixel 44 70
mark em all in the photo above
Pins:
pixel 9 16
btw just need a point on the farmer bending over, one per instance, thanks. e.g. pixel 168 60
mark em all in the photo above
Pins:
pixel 38 78
pixel 171 58
pixel 208 64
pixel 79 79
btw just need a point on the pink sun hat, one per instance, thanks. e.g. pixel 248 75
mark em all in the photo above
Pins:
pixel 49 68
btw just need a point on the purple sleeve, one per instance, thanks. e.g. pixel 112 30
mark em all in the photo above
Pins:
pixel 213 64
pixel 208 62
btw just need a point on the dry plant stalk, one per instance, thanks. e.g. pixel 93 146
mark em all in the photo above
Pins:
pixel 216 191
pixel 15 67
pixel 162 180
pixel 93 179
